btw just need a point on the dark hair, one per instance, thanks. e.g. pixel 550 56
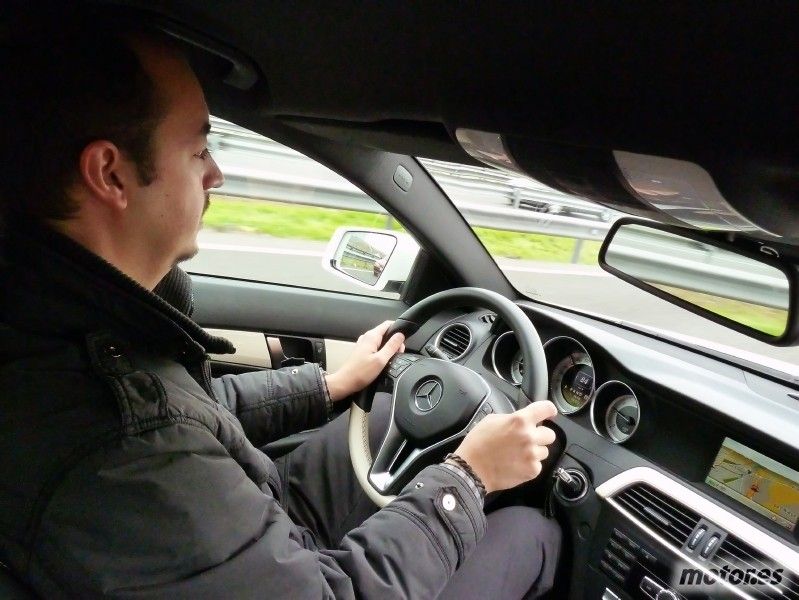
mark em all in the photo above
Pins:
pixel 67 85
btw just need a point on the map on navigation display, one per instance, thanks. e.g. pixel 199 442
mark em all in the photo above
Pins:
pixel 755 480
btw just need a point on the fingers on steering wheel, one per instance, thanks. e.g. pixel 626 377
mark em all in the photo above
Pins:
pixel 391 347
pixel 544 436
pixel 541 453
pixel 538 411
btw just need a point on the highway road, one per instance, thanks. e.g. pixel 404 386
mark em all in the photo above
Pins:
pixel 298 262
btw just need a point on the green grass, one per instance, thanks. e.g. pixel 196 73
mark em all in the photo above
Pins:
pixel 769 320
pixel 535 246
pixel 284 220
pixel 313 223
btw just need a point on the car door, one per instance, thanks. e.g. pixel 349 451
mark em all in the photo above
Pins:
pixel 258 277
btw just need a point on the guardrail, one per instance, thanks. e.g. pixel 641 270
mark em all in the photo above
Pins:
pixel 663 259
pixel 256 167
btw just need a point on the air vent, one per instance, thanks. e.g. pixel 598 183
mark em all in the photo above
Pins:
pixel 734 553
pixel 488 318
pixel 673 521
pixel 454 340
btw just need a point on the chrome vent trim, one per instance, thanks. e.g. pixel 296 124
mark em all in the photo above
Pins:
pixel 454 340
pixel 672 520
pixel 769 545
pixel 735 553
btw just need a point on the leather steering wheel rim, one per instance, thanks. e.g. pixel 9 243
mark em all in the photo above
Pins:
pixel 534 384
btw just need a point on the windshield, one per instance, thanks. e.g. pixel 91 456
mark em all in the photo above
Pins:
pixel 547 244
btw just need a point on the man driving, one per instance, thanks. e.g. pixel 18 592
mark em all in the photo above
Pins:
pixel 128 470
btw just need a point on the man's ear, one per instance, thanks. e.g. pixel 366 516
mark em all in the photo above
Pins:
pixel 106 174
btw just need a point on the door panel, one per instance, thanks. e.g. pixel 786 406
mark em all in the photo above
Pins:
pixel 251 348
pixel 336 352
pixel 276 309
pixel 302 320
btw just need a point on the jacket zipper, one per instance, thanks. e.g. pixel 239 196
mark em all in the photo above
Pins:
pixel 206 370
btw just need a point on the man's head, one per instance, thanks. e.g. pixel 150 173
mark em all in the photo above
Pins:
pixel 108 144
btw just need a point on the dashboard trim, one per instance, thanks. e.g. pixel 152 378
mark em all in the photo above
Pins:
pixel 673 550
pixel 777 551
pixel 722 388
pixel 592 406
pixel 494 357
pixel 447 327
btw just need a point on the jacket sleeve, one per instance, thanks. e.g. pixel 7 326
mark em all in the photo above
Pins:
pixel 275 403
pixel 169 514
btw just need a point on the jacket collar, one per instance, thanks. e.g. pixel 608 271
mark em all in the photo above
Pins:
pixel 53 285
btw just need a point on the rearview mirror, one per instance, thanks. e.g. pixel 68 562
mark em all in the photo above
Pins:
pixel 373 258
pixel 737 288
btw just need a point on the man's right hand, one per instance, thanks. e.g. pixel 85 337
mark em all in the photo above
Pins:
pixel 506 450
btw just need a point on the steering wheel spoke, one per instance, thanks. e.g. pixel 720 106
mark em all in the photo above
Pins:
pixel 435 402
pixel 390 459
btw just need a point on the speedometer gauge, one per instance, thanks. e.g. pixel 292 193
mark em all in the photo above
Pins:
pixel 622 417
pixel 572 382
pixel 615 412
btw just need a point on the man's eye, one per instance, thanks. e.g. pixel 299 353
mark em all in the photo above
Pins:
pixel 206 153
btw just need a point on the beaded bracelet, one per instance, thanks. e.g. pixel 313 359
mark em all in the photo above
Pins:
pixel 469 471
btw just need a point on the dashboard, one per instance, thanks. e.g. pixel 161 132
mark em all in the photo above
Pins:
pixel 613 407
pixel 690 461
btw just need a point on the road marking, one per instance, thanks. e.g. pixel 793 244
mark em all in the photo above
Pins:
pixel 261 250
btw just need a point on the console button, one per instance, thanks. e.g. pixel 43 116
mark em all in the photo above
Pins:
pixel 633 545
pixel 611 572
pixel 618 563
pixel 620 535
pixel 650 587
pixel 648 557
pixel 622 551
pixel 710 546
pixel 697 537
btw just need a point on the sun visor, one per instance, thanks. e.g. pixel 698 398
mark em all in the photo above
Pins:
pixel 488 148
pixel 583 172
pixel 683 190
pixel 668 190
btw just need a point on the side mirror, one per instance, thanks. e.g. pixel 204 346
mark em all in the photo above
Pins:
pixel 374 258
pixel 749 291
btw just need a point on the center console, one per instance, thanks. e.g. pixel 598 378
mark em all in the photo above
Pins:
pixel 645 535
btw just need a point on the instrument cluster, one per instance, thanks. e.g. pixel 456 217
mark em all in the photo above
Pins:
pixel 614 408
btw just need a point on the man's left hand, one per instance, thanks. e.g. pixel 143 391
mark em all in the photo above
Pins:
pixel 365 363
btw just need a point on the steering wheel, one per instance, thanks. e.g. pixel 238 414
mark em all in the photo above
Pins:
pixel 435 402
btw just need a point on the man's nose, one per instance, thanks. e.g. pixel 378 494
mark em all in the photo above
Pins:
pixel 214 177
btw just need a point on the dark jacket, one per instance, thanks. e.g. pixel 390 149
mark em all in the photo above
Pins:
pixel 127 472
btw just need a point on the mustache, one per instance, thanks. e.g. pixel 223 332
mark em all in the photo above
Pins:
pixel 207 202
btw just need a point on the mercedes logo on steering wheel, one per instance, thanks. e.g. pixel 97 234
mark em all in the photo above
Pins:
pixel 428 395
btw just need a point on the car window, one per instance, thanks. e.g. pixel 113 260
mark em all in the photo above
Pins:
pixel 547 245
pixel 274 215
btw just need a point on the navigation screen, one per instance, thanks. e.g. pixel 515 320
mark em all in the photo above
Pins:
pixel 755 480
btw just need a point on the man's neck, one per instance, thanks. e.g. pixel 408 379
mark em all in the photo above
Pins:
pixel 113 249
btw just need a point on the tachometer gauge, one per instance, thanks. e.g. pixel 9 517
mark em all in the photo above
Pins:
pixel 572 382
pixel 615 412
